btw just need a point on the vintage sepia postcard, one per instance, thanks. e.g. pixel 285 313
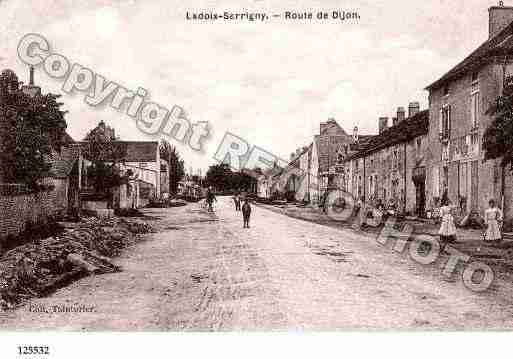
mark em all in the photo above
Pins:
pixel 255 166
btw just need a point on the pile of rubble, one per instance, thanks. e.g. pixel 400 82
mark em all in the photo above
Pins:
pixel 84 248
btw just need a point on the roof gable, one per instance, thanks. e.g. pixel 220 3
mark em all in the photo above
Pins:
pixel 140 151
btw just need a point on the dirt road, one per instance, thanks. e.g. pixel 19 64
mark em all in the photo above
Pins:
pixel 205 272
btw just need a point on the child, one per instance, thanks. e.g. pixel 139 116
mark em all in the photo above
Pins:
pixel 447 230
pixel 493 218
pixel 246 213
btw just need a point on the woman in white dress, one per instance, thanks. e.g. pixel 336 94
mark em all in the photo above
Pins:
pixel 493 218
pixel 447 230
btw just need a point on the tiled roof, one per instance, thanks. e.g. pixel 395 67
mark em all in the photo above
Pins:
pixel 139 151
pixel 303 151
pixel 363 141
pixel 502 43
pixel 404 131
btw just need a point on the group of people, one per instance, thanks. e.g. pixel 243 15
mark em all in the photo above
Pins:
pixel 493 220
pixel 245 208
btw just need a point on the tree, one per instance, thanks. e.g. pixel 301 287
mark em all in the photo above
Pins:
pixel 176 165
pixel 223 178
pixel 33 127
pixel 105 153
pixel 219 176
pixel 498 137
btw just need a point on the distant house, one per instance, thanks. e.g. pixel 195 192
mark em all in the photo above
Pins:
pixel 148 169
pixel 331 137
pixel 269 182
pixel 145 174
pixel 317 163
pixel 342 169
pixel 297 174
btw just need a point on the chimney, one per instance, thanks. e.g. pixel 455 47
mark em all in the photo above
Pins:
pixel 355 134
pixel 31 77
pixel 298 151
pixel 401 114
pixel 413 109
pixel 382 124
pixel 498 18
pixel 292 156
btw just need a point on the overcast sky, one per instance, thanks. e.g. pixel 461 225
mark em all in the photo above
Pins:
pixel 271 83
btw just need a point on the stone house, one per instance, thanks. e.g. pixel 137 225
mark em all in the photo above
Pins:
pixel 330 139
pixel 297 174
pixel 267 182
pixel 305 160
pixel 458 104
pixel 390 167
pixel 343 169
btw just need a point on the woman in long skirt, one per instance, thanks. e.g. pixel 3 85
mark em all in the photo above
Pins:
pixel 447 230
pixel 493 218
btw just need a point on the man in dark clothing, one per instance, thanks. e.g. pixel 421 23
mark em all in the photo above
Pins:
pixel 210 199
pixel 246 213
pixel 236 200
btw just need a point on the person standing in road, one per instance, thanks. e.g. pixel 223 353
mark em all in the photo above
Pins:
pixel 493 220
pixel 210 199
pixel 246 213
pixel 237 201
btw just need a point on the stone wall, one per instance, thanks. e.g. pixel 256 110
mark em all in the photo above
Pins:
pixel 19 209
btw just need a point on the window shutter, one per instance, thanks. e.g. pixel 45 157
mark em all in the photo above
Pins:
pixel 449 125
pixel 473 110
pixel 440 121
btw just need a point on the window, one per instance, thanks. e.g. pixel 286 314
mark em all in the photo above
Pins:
pixel 445 122
pixel 474 101
pixel 436 182
pixel 474 109
pixel 446 90
pixel 419 144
